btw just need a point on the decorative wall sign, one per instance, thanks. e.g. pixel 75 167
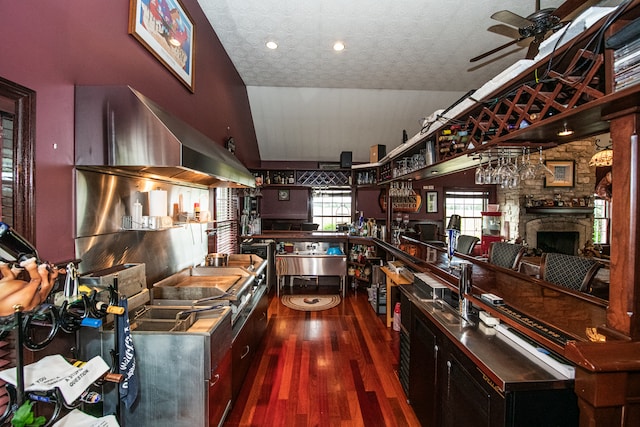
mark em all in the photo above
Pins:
pixel 563 173
pixel 432 201
pixel 409 204
pixel 165 28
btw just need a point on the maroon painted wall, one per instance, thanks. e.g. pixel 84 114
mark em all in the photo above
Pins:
pixel 296 208
pixel 50 46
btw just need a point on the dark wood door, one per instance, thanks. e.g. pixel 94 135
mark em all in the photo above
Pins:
pixel 423 381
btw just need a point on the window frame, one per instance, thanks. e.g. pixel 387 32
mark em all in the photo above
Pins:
pixel 467 193
pixel 347 201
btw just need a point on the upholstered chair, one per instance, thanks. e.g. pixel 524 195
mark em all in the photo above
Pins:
pixel 466 244
pixel 572 272
pixel 506 255
pixel 430 233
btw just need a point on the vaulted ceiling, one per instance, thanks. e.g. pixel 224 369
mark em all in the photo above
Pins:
pixel 402 61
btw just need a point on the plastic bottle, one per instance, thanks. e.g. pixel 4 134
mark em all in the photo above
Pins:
pixel 137 214
pixel 396 317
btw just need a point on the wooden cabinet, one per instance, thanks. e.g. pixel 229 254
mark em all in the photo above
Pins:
pixel 423 363
pixel 447 387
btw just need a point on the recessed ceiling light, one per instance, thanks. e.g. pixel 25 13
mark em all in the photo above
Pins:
pixel 338 46
pixel 272 45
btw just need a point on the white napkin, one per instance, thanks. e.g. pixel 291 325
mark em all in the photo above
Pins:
pixel 54 371
pixel 77 418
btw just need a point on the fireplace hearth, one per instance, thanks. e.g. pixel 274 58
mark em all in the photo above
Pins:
pixel 562 242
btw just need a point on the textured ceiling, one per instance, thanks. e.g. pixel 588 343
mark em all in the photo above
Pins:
pixel 403 60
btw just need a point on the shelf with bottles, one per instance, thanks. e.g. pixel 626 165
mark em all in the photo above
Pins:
pixel 366 177
pixel 304 177
pixel 525 111
pixel 418 157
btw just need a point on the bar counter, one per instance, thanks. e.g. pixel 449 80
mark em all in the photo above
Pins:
pixel 299 236
pixel 543 311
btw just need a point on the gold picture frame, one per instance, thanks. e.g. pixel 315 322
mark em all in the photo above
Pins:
pixel 563 173
pixel 168 32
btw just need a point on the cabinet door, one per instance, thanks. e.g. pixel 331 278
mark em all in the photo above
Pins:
pixel 423 371
pixel 466 402
pixel 242 351
pixel 260 317
pixel 220 391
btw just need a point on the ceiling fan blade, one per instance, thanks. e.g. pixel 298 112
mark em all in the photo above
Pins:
pixel 505 30
pixel 492 51
pixel 511 18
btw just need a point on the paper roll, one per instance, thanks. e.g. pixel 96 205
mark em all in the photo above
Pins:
pixel 157 203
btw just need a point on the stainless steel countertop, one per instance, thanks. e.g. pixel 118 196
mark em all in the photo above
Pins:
pixel 501 360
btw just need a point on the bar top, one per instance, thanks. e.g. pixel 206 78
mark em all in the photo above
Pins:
pixel 289 235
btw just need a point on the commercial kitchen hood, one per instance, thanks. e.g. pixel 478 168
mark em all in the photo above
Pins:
pixel 120 130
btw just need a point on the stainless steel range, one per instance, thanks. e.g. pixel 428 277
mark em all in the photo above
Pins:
pixel 240 283
pixel 191 338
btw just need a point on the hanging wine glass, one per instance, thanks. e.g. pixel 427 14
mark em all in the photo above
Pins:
pixel 479 179
pixel 514 176
pixel 495 174
pixel 528 171
pixel 542 170
pixel 488 171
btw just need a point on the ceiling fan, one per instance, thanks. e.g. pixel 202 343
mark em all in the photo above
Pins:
pixel 535 26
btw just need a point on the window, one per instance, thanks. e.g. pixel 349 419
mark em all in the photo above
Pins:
pixel 330 207
pixel 601 219
pixel 469 205
pixel 227 220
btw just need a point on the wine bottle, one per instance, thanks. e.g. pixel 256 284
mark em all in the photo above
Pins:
pixel 13 247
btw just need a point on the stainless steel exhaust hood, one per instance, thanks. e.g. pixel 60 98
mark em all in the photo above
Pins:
pixel 119 129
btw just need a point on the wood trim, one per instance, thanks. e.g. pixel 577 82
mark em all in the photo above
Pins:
pixel 24 100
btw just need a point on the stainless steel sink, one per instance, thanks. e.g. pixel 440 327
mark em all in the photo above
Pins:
pixel 443 311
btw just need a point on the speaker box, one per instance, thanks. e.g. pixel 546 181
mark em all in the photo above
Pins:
pixel 377 152
pixel 345 160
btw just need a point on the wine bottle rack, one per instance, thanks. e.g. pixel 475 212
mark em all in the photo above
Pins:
pixel 323 178
pixel 563 89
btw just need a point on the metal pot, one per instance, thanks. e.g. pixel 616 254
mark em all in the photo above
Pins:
pixel 217 260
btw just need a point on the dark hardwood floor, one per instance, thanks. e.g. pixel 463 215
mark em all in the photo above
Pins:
pixel 336 367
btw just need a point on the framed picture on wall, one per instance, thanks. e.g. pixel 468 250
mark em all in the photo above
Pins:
pixel 167 31
pixel 563 173
pixel 432 201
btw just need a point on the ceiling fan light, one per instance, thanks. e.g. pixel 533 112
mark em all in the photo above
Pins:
pixel 602 158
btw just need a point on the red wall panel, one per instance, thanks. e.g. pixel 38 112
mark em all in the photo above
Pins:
pixel 51 46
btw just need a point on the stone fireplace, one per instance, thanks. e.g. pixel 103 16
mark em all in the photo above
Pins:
pixel 559 233
pixel 524 223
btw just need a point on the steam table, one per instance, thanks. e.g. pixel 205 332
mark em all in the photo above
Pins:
pixel 311 265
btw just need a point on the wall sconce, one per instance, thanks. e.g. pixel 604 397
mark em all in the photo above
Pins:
pixel 602 158
pixel 565 131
